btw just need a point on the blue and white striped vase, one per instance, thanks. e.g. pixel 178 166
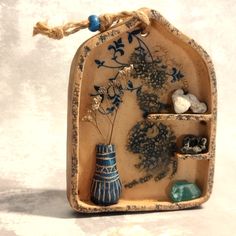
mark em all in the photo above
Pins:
pixel 106 185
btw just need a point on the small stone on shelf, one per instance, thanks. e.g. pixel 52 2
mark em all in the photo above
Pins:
pixel 194 144
pixel 182 102
pixel 184 191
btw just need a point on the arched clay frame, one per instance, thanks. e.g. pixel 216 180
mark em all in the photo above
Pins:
pixel 73 138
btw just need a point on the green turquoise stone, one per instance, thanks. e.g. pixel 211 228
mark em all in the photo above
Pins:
pixel 184 191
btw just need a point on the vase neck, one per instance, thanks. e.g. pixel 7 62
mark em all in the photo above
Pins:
pixel 105 148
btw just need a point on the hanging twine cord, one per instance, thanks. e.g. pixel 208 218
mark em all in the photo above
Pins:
pixel 106 21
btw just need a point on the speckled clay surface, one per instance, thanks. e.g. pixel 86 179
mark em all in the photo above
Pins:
pixel 80 152
pixel 33 98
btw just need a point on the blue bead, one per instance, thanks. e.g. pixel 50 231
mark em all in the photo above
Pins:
pixel 94 23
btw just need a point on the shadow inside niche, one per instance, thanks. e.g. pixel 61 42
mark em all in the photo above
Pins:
pixel 50 203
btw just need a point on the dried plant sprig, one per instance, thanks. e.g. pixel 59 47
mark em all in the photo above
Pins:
pixel 91 115
pixel 120 83
pixel 126 72
pixel 96 102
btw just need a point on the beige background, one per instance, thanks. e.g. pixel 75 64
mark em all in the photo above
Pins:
pixel 33 102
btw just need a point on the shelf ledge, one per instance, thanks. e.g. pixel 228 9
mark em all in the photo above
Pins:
pixel 200 117
pixel 200 156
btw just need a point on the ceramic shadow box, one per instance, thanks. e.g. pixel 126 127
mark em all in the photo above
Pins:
pixel 141 120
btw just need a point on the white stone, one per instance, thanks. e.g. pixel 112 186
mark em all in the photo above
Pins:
pixel 196 105
pixel 180 101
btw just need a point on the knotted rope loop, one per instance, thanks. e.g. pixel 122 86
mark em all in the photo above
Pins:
pixel 106 22
pixel 59 32
pixel 108 19
pixel 55 32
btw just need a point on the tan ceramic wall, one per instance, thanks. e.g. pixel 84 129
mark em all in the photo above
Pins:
pixel 33 104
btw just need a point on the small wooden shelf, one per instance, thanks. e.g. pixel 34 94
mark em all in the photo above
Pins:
pixel 200 117
pixel 200 156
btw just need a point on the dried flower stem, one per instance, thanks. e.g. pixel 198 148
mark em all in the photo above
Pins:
pixel 109 119
pixel 112 127
pixel 97 127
